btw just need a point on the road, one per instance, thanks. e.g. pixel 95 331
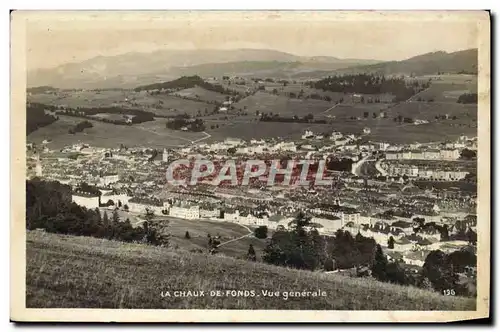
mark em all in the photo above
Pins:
pixel 356 170
pixel 207 135
pixel 331 108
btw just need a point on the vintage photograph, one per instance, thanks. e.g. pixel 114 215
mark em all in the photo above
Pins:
pixel 277 160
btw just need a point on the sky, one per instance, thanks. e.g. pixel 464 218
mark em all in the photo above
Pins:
pixel 53 39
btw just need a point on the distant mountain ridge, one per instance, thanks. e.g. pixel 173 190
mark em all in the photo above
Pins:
pixel 424 64
pixel 132 69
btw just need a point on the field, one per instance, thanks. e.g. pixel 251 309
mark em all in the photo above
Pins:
pixel 462 119
pixel 258 130
pixel 167 105
pixel 198 232
pixel 269 103
pixel 162 105
pixel 78 272
pixel 335 96
pixel 84 98
pixel 112 116
pixel 201 93
pixel 152 134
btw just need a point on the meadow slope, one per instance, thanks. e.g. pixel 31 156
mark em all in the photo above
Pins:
pixel 79 272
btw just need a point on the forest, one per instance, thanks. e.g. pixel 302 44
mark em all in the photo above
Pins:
pixel 36 117
pixel 186 82
pixel 371 84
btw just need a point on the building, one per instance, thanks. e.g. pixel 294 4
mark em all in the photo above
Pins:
pixel 391 155
pixel 333 212
pixel 382 146
pixel 285 146
pixel 417 155
pixel 449 154
pixel 144 205
pixel 336 135
pixel 88 200
pixel 107 179
pixel 307 134
pixel 209 214
pixel 328 225
pixel 432 155
pixel 185 211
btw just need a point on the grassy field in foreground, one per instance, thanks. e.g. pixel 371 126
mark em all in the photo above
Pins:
pixel 80 272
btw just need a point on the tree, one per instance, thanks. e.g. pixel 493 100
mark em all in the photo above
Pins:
pixel 261 232
pixel 444 233
pixel 390 243
pixel 294 247
pixel 105 219
pixel 116 217
pixel 396 274
pixel 329 264
pixel 98 215
pixel 125 207
pixel 468 154
pixel 471 236
pixel 439 271
pixel 213 244
pixel 379 266
pixel 251 253
pixel 187 236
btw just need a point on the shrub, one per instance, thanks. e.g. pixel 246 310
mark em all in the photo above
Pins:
pixel 261 232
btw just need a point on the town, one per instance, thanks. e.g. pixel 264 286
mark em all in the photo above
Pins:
pixel 383 195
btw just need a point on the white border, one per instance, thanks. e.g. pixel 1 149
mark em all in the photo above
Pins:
pixel 186 4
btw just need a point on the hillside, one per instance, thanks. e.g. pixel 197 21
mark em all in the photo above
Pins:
pixel 67 271
pixel 133 69
pixel 185 82
pixel 267 68
pixel 425 64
